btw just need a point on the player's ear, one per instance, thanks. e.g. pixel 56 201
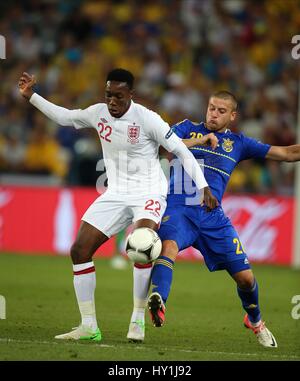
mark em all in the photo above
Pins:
pixel 232 116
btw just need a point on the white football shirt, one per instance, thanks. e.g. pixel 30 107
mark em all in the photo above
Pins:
pixel 130 144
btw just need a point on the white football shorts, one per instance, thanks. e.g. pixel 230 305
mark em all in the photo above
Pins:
pixel 111 213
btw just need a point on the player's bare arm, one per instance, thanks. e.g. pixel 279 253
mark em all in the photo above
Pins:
pixel 287 153
pixel 209 140
pixel 26 83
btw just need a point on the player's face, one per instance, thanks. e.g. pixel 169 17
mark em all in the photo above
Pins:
pixel 117 97
pixel 220 114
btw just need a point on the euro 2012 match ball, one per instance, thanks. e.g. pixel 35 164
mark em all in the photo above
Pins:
pixel 143 245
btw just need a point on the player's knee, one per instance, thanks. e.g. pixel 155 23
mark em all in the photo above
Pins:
pixel 169 249
pixel 79 253
pixel 246 281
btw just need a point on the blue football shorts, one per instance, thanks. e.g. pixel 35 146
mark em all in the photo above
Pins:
pixel 209 232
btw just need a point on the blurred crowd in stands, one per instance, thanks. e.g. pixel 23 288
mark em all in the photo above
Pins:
pixel 180 52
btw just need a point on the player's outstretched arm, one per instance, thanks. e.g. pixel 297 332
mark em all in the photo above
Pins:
pixel 160 131
pixel 59 115
pixel 193 169
pixel 209 140
pixel 286 153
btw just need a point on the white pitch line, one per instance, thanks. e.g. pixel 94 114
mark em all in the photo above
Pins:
pixel 144 347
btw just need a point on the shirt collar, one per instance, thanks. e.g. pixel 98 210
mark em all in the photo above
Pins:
pixel 128 113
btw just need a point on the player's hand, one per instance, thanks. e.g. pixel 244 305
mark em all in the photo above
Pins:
pixel 209 200
pixel 26 82
pixel 210 140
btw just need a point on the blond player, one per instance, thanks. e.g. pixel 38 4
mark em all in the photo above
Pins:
pixel 130 136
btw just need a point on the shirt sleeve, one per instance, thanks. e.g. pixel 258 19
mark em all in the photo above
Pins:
pixel 62 116
pixel 253 148
pixel 161 132
pixel 181 130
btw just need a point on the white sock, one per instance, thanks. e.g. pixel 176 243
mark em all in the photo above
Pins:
pixel 255 324
pixel 85 283
pixel 141 283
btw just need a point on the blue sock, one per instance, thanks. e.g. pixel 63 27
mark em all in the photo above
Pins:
pixel 162 275
pixel 250 304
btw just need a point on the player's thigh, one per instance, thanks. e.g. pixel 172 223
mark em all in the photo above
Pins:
pixel 87 241
pixel 149 207
pixel 221 247
pixel 146 223
pixel 109 214
pixel 177 226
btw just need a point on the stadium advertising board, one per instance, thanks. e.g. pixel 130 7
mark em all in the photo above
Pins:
pixel 45 221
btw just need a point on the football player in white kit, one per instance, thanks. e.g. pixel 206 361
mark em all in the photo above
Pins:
pixel 130 135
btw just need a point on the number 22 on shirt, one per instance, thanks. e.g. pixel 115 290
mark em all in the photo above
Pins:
pixel 105 132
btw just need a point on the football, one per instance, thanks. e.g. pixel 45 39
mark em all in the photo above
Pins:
pixel 143 245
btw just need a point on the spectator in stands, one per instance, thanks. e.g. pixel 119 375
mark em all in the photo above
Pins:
pixel 43 154
pixel 252 58
pixel 12 151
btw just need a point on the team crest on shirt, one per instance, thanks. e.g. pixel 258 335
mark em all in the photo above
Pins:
pixel 133 133
pixel 227 145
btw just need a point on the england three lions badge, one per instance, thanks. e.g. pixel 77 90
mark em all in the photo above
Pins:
pixel 133 133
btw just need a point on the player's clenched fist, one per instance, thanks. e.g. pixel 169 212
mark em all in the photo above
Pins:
pixel 26 82
pixel 210 140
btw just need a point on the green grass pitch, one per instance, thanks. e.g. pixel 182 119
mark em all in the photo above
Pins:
pixel 203 320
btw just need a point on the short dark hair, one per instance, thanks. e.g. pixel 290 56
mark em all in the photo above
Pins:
pixel 121 75
pixel 224 94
